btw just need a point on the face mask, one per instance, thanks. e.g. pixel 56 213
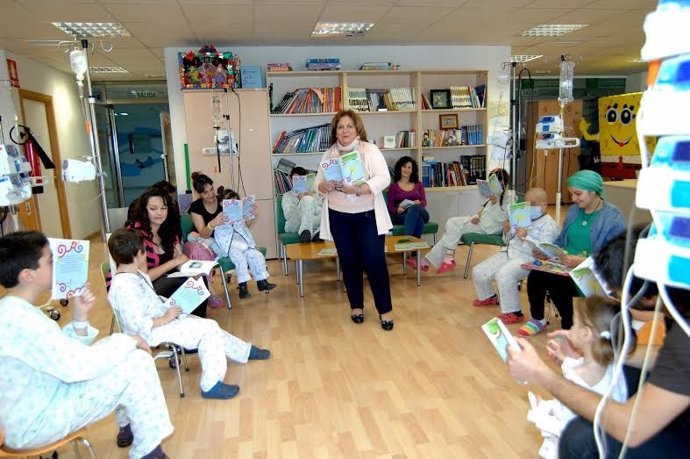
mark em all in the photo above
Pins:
pixel 535 212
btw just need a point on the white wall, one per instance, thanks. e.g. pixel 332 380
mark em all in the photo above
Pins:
pixel 82 199
pixel 351 57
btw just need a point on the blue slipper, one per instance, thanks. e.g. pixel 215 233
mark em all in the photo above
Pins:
pixel 221 391
pixel 256 353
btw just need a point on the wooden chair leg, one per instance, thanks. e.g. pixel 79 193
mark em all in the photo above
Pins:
pixel 469 260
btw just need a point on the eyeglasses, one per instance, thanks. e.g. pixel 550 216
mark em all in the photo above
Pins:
pixel 342 127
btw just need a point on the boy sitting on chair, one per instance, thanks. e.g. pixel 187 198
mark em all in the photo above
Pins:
pixel 53 383
pixel 142 311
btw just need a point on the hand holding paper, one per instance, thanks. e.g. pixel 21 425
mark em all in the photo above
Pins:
pixel 189 295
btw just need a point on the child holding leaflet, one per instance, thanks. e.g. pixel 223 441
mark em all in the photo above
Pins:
pixel 235 240
pixel 585 353
pixel 489 220
pixel 504 268
pixel 143 312
pixel 54 382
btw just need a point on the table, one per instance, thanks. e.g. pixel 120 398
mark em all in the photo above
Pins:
pixel 311 251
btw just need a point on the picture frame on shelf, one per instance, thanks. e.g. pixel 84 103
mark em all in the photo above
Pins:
pixel 448 121
pixel 440 99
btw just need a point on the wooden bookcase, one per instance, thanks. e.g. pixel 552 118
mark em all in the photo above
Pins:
pixel 443 201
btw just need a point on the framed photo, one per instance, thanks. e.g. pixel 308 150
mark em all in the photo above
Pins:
pixel 449 121
pixel 440 98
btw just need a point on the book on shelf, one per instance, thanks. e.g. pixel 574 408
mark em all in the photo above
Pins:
pixel 306 140
pixel 332 63
pixel 251 76
pixel 500 337
pixel 194 268
pixel 279 67
pixel 70 267
pixel 460 96
pixel 519 215
pixel 309 100
pixel 189 295
pixel 377 66
pixel 426 105
pixel 285 165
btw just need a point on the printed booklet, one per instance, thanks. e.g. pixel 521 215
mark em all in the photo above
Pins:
pixel 587 279
pixel 519 215
pixel 70 267
pixel 189 295
pixel 303 183
pixel 500 337
pixel 194 268
pixel 550 250
pixel 237 210
pixel 405 203
pixel 348 169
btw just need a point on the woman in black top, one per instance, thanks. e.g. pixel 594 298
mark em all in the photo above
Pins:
pixel 206 211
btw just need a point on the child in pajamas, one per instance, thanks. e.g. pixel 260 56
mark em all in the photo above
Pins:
pixel 235 240
pixel 53 382
pixel 489 220
pixel 142 311
pixel 302 210
pixel 504 267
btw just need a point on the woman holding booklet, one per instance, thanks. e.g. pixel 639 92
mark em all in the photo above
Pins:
pixel 589 224
pixel 352 177
pixel 163 248
pixel 406 197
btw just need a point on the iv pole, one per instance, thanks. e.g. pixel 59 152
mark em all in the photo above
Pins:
pixel 92 130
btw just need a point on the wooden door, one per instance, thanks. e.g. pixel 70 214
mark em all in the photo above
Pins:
pixel 46 211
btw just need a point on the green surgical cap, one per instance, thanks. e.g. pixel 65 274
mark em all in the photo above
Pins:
pixel 586 180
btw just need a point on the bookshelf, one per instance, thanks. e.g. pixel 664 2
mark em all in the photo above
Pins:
pixel 410 85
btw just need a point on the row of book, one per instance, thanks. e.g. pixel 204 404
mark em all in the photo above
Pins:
pixel 467 96
pixel 403 139
pixel 437 174
pixel 306 140
pixel 379 66
pixel 310 100
pixel 279 67
pixel 372 100
pixel 464 135
pixel 322 64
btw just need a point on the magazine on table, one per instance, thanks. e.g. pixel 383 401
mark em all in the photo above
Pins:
pixel 194 268
pixel 401 246
pixel 237 210
pixel 327 252
pixel 500 337
pixel 519 215
pixel 189 295
pixel 70 267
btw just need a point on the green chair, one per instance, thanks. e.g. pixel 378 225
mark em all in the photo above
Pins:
pixel 284 237
pixel 470 239
pixel 225 264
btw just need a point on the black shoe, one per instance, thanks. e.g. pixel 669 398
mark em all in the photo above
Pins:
pixel 317 237
pixel 357 318
pixel 244 291
pixel 305 236
pixel 265 286
pixel 125 437
pixel 387 324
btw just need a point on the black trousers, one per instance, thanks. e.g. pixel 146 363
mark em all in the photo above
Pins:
pixel 561 289
pixel 166 286
pixel 361 249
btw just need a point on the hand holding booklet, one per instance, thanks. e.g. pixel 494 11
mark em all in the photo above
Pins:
pixel 500 337
pixel 189 295
pixel 519 215
pixel 550 250
pixel 237 210
pixel 405 203
pixel 348 169
pixel 587 279
pixel 70 267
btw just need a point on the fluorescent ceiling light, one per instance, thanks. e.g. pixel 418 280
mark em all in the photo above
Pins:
pixel 92 29
pixel 348 29
pixel 108 69
pixel 524 57
pixel 552 30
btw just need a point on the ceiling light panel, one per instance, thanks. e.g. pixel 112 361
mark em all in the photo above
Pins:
pixel 552 30
pixel 336 29
pixel 92 29
pixel 108 69
pixel 524 57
